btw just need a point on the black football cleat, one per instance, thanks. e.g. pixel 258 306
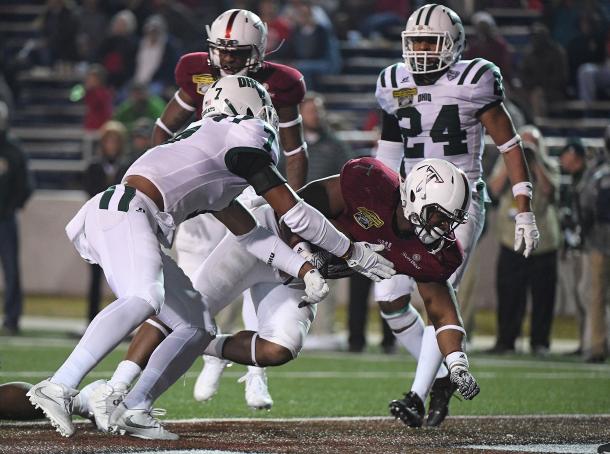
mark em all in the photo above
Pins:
pixel 440 394
pixel 410 410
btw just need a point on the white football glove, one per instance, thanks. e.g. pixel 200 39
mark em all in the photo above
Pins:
pixel 366 261
pixel 316 288
pixel 465 382
pixel 526 233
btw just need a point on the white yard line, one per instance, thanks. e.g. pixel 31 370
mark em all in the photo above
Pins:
pixel 331 419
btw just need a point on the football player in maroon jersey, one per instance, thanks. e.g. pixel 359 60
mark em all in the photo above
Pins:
pixel 237 41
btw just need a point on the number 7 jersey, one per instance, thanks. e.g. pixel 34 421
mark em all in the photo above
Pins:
pixel 441 120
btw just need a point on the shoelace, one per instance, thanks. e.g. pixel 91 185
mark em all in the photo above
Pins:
pixel 251 378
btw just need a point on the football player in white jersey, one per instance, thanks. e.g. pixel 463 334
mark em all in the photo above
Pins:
pixel 122 229
pixel 436 105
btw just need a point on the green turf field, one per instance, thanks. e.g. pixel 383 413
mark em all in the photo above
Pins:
pixel 341 384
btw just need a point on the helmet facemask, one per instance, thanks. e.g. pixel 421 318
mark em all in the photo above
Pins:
pixel 253 58
pixel 425 62
pixel 434 223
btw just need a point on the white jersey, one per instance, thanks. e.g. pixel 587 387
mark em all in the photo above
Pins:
pixel 191 170
pixel 442 120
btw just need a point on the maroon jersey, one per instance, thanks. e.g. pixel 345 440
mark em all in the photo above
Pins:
pixel 371 193
pixel 284 84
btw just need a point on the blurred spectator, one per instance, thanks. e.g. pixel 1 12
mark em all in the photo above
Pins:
pixel 104 170
pixel 279 28
pixel 15 189
pixel 595 205
pixel 516 275
pixel 563 19
pixel 588 46
pixel 58 26
pixel 140 139
pixel 98 98
pixel 139 104
pixel 574 162
pixel 594 78
pixel 327 153
pixel 314 46
pixel 92 23
pixel 118 48
pixel 181 23
pixel 489 44
pixel 544 71
pixel 157 56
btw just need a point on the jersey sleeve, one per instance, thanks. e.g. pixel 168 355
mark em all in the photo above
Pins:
pixel 384 91
pixel 488 89
pixel 287 85
pixel 252 133
pixel 187 68
pixel 367 177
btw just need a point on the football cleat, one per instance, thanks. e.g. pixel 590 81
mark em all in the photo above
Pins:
pixel 55 402
pixel 139 423
pixel 440 394
pixel 103 400
pixel 257 393
pixel 465 382
pixel 80 402
pixel 208 382
pixel 410 410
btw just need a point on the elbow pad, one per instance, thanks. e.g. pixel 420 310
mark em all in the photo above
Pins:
pixel 311 225
pixel 269 248
pixel 390 153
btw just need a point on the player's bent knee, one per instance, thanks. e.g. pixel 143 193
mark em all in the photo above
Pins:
pixel 271 354
pixel 153 295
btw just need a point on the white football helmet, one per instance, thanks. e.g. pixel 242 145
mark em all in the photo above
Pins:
pixel 435 185
pixel 238 30
pixel 437 23
pixel 239 95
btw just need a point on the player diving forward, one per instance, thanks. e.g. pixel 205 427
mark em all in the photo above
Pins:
pixel 237 40
pixel 414 220
pixel 436 105
pixel 122 229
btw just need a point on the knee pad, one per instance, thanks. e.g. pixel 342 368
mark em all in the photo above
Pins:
pixel 402 320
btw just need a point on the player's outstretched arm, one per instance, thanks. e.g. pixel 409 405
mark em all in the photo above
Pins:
pixel 177 112
pixel 500 127
pixel 441 306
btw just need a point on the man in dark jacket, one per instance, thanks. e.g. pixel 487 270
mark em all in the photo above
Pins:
pixel 15 189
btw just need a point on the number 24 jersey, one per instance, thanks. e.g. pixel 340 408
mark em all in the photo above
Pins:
pixel 442 120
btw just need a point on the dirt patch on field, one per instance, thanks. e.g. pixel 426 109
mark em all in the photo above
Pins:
pixel 322 436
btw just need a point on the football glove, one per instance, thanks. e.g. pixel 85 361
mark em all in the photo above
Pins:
pixel 526 233
pixel 465 382
pixel 366 261
pixel 316 288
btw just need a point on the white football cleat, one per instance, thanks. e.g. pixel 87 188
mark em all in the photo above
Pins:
pixel 208 382
pixel 257 393
pixel 80 402
pixel 55 401
pixel 103 400
pixel 140 423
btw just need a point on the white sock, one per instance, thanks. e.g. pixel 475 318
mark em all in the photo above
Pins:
pixel 172 358
pixel 408 329
pixel 103 334
pixel 430 359
pixel 125 373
